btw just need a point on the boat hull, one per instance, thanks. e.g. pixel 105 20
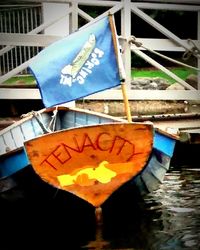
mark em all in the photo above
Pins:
pixel 92 162
pixel 12 153
pixel 16 160
pixel 13 162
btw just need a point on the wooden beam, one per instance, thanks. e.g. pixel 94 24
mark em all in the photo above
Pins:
pixel 174 1
pixel 161 28
pixel 85 15
pixel 198 37
pixel 162 44
pixel 36 30
pixel 162 68
pixel 73 17
pixel 168 6
pixel 41 40
pixel 126 32
pixel 114 94
pixel 16 39
pixel 81 2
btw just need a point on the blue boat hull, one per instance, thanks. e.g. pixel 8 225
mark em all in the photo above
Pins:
pixel 13 163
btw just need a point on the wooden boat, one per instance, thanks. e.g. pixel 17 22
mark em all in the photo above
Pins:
pixel 12 155
pixel 88 154
pixel 93 161
pixel 62 120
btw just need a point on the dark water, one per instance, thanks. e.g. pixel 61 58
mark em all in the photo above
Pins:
pixel 167 219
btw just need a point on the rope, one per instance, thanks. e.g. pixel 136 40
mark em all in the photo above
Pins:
pixel 139 44
pixel 194 51
pixel 43 127
pixel 52 124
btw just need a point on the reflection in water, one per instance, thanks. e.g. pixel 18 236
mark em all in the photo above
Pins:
pixel 180 215
pixel 168 219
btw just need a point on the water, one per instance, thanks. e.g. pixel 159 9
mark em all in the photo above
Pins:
pixel 166 219
pixel 177 202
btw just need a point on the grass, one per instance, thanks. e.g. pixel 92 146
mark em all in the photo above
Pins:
pixel 183 73
pixel 21 80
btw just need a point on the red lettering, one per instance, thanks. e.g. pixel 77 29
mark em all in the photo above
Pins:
pixel 123 143
pixel 98 141
pixel 87 142
pixel 61 154
pixel 103 142
pixel 76 148
pixel 49 163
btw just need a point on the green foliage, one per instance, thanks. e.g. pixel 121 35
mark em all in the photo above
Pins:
pixel 21 80
pixel 183 73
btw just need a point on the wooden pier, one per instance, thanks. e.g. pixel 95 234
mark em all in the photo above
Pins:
pixel 187 125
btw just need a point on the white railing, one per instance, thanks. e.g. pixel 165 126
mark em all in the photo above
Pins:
pixel 17 20
pixel 29 37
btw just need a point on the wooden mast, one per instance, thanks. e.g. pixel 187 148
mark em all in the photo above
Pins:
pixel 123 85
pixel 98 210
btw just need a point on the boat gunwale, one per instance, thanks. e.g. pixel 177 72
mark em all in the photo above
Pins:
pixel 11 152
pixel 29 116
pixel 83 111
pixel 163 132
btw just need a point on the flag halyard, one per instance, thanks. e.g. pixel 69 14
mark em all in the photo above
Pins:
pixel 81 64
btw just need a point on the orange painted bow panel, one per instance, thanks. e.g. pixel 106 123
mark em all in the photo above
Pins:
pixel 94 161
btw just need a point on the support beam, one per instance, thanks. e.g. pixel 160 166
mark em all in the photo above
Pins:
pixel 126 33
pixel 165 70
pixel 16 39
pixel 161 28
pixel 198 38
pixel 73 18
pixel 167 6
pixel 36 30
pixel 34 94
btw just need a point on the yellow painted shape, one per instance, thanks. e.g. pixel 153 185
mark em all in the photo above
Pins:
pixel 101 173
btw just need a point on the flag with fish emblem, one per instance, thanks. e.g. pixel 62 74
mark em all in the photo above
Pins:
pixel 81 64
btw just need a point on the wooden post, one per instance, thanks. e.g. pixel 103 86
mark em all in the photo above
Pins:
pixel 123 86
pixel 73 17
pixel 126 33
pixel 198 60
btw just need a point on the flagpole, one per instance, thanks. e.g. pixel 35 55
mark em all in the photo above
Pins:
pixel 123 85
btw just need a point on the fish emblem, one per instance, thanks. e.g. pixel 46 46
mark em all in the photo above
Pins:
pixel 70 71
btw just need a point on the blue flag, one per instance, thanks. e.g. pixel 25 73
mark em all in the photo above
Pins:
pixel 79 65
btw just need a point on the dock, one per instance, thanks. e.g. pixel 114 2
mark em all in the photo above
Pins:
pixel 186 125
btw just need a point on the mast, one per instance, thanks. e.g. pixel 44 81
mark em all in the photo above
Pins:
pixel 121 69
